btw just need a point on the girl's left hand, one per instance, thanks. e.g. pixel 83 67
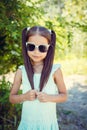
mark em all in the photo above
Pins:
pixel 42 97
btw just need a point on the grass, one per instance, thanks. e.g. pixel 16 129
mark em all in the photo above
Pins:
pixel 74 66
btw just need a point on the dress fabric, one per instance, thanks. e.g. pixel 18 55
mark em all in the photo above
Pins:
pixel 38 115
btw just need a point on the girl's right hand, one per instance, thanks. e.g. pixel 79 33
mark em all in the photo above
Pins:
pixel 30 95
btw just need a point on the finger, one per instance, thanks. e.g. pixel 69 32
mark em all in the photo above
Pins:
pixel 38 93
pixel 33 91
pixel 32 97
pixel 40 97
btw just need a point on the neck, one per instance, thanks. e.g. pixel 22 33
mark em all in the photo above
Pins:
pixel 37 63
pixel 38 67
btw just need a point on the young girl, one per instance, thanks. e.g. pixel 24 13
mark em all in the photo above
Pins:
pixel 43 84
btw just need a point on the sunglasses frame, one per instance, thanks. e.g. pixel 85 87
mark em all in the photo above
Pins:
pixel 37 46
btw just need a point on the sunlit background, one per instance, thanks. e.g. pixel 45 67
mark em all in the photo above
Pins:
pixel 68 18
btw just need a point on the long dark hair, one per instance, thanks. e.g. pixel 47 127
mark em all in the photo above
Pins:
pixel 48 61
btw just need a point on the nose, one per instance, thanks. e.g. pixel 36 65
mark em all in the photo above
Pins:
pixel 36 50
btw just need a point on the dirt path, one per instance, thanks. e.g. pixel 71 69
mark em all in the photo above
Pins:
pixel 73 113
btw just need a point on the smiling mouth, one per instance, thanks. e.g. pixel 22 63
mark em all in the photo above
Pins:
pixel 36 56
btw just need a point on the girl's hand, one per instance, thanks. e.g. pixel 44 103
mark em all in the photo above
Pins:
pixel 42 97
pixel 30 95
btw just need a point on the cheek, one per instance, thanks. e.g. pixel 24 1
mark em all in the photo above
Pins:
pixel 29 52
pixel 44 55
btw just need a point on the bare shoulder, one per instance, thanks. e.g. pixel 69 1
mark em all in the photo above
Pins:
pixel 59 80
pixel 18 74
pixel 58 74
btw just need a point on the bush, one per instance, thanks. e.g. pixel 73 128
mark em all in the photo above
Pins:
pixel 9 113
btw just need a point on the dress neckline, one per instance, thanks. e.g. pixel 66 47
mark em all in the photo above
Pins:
pixel 37 73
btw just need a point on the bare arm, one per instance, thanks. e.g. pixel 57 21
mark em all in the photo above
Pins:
pixel 62 96
pixel 14 97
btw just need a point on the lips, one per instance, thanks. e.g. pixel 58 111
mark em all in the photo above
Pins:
pixel 36 56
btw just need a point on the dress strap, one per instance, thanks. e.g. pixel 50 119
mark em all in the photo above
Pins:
pixel 56 66
pixel 21 67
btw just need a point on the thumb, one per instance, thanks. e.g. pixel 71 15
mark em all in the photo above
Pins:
pixel 36 91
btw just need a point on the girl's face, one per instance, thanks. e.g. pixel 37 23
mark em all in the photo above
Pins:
pixel 36 56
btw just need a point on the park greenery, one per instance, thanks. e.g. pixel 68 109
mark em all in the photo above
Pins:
pixel 68 18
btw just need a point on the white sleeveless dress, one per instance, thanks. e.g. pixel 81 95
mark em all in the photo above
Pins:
pixel 38 115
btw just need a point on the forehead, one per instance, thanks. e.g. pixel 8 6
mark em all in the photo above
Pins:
pixel 37 39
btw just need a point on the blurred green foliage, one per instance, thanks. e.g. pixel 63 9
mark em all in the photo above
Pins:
pixel 67 18
pixel 9 113
pixel 4 90
pixel 14 16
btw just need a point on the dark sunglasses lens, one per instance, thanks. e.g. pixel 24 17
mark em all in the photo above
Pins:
pixel 30 47
pixel 43 48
